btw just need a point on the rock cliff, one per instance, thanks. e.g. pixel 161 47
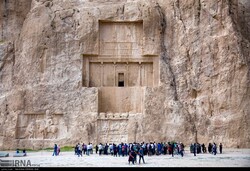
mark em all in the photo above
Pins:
pixel 192 56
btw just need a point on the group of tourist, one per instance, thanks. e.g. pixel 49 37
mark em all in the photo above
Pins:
pixel 83 149
pixel 135 150
pixel 197 148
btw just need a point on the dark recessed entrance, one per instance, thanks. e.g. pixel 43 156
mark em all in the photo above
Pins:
pixel 120 79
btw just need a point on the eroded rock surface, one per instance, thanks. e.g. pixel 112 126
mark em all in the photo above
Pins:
pixel 124 70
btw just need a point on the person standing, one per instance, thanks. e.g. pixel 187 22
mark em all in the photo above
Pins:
pixel 195 148
pixel 79 151
pixel 115 150
pixel 100 148
pixel 58 150
pixel 181 149
pixel 96 148
pixel 88 149
pixel 141 155
pixel 220 148
pixel 130 157
pixel 172 149
pixel 214 149
pixel 55 150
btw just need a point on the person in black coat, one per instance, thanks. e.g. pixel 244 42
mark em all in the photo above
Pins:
pixel 220 146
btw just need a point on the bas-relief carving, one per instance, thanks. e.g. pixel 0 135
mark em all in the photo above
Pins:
pixel 39 126
pixel 30 130
pixel 50 130
pixel 112 130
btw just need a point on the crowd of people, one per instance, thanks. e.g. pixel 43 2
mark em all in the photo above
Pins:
pixel 137 151
pixel 197 148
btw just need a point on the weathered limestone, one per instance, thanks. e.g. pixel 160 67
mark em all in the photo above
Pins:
pixel 114 70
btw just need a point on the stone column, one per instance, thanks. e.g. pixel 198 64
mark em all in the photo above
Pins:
pixel 126 79
pixel 101 66
pixel 140 76
pixel 114 74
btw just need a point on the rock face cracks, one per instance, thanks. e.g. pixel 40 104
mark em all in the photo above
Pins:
pixel 113 70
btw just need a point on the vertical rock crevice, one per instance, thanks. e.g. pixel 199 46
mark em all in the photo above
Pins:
pixel 171 76
pixel 164 56
pixel 189 118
